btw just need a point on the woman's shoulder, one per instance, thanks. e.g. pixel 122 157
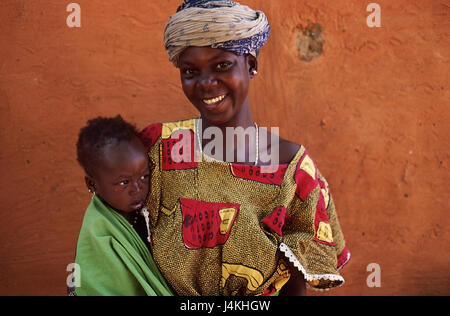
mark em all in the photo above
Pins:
pixel 150 134
pixel 186 123
pixel 287 150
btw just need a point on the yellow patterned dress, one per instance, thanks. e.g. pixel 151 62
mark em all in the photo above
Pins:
pixel 220 228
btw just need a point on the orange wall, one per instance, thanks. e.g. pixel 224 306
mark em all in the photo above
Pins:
pixel 372 109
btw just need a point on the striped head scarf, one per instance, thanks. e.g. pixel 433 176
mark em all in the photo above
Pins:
pixel 220 24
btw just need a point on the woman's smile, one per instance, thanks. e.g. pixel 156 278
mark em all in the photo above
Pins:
pixel 215 105
pixel 212 101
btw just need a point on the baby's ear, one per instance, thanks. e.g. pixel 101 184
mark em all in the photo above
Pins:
pixel 90 183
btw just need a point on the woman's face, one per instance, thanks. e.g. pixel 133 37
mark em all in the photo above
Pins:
pixel 216 82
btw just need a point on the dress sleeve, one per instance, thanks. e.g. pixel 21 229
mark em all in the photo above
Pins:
pixel 312 237
pixel 151 136
pixel 342 252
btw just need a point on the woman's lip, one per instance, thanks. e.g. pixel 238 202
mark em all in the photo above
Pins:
pixel 214 100
pixel 217 106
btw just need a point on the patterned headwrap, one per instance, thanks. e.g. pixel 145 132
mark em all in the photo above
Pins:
pixel 218 24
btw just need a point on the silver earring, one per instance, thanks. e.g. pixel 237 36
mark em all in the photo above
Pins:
pixel 253 72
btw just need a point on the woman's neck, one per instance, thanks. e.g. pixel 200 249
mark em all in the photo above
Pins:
pixel 241 119
pixel 238 135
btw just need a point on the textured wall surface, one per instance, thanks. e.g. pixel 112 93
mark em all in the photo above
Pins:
pixel 371 105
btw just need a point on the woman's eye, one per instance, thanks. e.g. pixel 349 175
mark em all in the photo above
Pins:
pixel 223 66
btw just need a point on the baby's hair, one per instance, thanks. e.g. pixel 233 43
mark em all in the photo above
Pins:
pixel 96 135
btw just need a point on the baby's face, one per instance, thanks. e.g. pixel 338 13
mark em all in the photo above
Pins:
pixel 122 180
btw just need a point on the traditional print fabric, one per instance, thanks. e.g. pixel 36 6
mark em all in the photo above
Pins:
pixel 229 229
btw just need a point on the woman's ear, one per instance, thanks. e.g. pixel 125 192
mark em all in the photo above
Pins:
pixel 90 183
pixel 252 63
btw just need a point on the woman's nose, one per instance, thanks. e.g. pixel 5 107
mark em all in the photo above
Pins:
pixel 207 80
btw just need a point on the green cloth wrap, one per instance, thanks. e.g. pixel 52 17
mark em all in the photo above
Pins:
pixel 113 259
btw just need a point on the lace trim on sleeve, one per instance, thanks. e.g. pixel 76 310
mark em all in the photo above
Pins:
pixel 312 279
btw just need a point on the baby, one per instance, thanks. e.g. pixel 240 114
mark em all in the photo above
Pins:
pixel 115 163
pixel 112 249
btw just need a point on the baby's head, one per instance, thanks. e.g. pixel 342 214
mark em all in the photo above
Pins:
pixel 115 162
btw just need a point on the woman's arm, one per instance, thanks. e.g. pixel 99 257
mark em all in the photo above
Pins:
pixel 296 286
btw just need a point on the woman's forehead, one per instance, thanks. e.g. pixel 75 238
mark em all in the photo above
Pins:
pixel 194 54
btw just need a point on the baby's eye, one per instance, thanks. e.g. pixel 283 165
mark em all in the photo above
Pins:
pixel 188 71
pixel 145 177
pixel 123 183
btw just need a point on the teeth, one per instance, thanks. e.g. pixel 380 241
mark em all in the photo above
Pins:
pixel 214 100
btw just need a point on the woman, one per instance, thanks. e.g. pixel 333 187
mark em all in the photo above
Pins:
pixel 229 226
